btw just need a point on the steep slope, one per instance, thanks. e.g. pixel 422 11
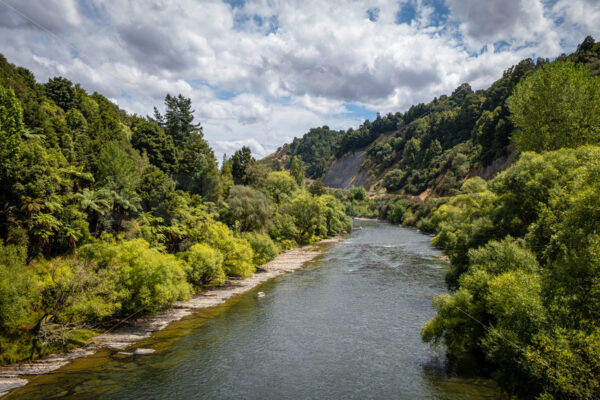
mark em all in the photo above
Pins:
pixel 345 171
pixel 432 147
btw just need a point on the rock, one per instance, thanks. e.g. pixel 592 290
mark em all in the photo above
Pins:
pixel 260 294
pixel 143 352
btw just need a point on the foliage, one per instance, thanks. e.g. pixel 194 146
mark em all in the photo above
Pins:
pixel 205 265
pixel 240 161
pixel 15 287
pixel 97 202
pixel 297 170
pixel 555 107
pixel 524 268
pixel 316 148
pixel 357 193
pixel 248 209
pixel 263 247
pixel 280 185
pixel 317 188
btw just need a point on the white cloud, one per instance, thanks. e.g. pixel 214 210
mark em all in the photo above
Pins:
pixel 269 70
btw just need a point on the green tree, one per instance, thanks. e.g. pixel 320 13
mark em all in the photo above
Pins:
pixel 178 121
pixel 262 245
pixel 226 177
pixel 248 209
pixel 279 185
pixel 63 93
pixel 357 193
pixel 16 292
pixel 308 217
pixel 149 138
pixel 11 127
pixel 206 265
pixel 297 170
pixel 206 179
pixel 556 107
pixel 197 167
pixel 240 161
pixel 317 188
pixel 256 175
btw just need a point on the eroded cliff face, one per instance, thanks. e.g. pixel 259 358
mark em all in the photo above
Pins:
pixel 346 172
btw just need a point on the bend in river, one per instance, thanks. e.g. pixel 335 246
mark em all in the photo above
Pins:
pixel 346 326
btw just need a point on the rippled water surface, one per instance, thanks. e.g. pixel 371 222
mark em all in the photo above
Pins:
pixel 345 327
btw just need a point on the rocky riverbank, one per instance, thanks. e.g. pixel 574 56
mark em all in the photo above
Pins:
pixel 127 333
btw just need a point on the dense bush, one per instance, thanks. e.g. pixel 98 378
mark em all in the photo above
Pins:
pixel 263 247
pixel 524 268
pixel 205 265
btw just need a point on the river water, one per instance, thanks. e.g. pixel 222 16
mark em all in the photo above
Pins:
pixel 347 326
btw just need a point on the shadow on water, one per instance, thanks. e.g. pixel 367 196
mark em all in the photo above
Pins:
pixel 346 326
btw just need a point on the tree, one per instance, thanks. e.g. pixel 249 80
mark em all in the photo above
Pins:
pixel 63 93
pixel 357 193
pixel 150 138
pixel 206 265
pixel 297 169
pixel 587 44
pixel 195 160
pixel 240 161
pixel 178 119
pixel 154 188
pixel 317 188
pixel 15 286
pixel 256 175
pixel 248 209
pixel 95 204
pixel 226 177
pixel 556 106
pixel 206 178
pixel 280 184
pixel 11 127
pixel 119 174
pixel 308 217
pixel 117 169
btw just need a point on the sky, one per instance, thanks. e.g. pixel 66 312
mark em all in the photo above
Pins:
pixel 260 73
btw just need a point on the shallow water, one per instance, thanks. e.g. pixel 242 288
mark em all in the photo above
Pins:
pixel 345 327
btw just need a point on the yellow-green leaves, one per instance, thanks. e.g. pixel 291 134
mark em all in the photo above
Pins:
pixel 555 107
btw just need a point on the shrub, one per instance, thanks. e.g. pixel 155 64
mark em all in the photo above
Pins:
pixel 262 245
pixel 205 265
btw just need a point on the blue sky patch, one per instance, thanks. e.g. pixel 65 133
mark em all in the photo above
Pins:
pixel 235 3
pixel 441 12
pixel 360 111
pixel 406 14
pixel 501 45
pixel 373 14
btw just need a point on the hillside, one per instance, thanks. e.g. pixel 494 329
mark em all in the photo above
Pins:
pixel 431 148
pixel 107 215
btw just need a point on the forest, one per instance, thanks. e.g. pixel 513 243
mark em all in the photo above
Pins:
pixel 524 246
pixel 107 215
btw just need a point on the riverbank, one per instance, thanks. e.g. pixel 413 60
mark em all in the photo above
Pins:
pixel 130 332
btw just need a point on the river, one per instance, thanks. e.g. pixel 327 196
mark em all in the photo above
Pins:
pixel 344 327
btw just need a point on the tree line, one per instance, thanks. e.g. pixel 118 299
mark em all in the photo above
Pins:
pixel 105 214
pixel 523 246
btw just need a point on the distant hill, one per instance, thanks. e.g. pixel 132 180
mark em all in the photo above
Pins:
pixel 431 148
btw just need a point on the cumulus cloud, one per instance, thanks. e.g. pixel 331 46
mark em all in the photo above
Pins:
pixel 53 16
pixel 229 147
pixel 261 72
